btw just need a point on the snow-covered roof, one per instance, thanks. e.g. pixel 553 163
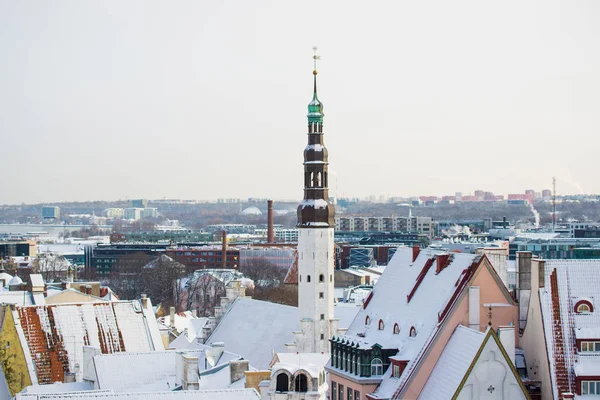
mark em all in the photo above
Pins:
pixel 18 297
pixel 15 281
pixel 575 280
pixel 453 364
pixel 163 258
pixel 221 394
pixel 154 370
pixel 412 295
pixel 110 327
pixel 255 328
pixel 251 211
pixel 59 387
pixel 36 280
pixel 266 328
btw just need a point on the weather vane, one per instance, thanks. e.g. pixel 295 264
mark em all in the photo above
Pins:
pixel 315 57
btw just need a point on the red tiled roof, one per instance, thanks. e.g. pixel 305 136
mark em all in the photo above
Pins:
pixel 45 341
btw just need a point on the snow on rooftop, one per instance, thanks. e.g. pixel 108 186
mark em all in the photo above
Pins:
pixel 389 304
pixel 54 335
pixel 224 394
pixel 576 280
pixel 254 328
pixel 453 364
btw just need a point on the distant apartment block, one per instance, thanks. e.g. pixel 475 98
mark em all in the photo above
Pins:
pixel 135 213
pixel 114 213
pixel 51 212
pixel 282 235
pixel 421 225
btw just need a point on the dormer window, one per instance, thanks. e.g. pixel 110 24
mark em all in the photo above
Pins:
pixel 584 307
pixel 413 332
pixel 381 325
pixel 367 320
pixel 396 329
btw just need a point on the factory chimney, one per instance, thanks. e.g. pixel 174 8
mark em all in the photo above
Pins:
pixel 270 231
pixel 224 251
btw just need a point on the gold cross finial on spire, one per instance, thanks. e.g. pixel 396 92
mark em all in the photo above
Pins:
pixel 315 58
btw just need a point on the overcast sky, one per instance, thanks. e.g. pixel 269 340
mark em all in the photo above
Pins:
pixel 207 99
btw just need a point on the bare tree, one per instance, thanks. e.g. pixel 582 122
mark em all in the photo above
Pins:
pixel 203 292
pixel 53 267
pixel 263 272
pixel 161 279
pixel 126 277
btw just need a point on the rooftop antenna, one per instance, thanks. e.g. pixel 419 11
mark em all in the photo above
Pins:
pixel 553 204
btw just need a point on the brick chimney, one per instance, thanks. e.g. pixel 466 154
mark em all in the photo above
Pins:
pixel 415 251
pixel 224 251
pixel 270 228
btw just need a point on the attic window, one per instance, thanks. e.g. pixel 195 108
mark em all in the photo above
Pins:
pixel 381 325
pixel 396 329
pixel 413 332
pixel 583 307
pixel 367 320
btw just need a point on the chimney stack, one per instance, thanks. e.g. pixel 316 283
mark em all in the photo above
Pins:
pixel 270 231
pixel 416 249
pixel 172 317
pixel 224 251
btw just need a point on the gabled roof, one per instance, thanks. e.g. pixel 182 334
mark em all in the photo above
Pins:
pixel 452 366
pixel 254 329
pixel 257 329
pixel 53 336
pixel 464 356
pixel 415 294
pixel 565 283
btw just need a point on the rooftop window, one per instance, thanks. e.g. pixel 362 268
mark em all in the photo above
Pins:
pixel 584 306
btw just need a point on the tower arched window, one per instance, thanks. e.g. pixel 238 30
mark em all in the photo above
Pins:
pixel 283 383
pixel 413 332
pixel 301 383
pixel 376 367
pixel 396 329
pixel 308 278
pixel 318 179
pixel 367 320
pixel 381 325
pixel 321 278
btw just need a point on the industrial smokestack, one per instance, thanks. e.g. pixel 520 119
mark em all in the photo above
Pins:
pixel 270 232
pixel 224 251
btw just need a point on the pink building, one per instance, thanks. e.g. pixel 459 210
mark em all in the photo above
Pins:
pixel 426 307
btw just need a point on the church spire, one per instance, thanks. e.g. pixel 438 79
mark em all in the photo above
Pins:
pixel 315 107
pixel 315 210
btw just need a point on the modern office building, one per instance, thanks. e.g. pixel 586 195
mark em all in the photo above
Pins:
pixel 422 225
pixel 50 212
